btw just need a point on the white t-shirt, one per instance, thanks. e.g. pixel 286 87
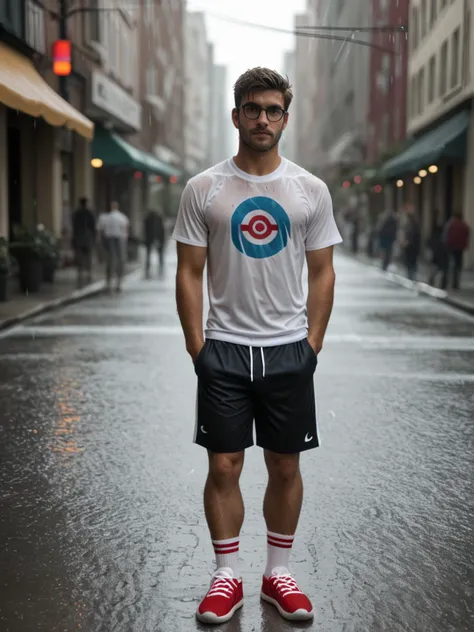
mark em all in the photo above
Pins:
pixel 257 229
pixel 113 224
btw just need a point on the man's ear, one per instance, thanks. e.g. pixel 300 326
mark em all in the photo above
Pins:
pixel 285 120
pixel 235 118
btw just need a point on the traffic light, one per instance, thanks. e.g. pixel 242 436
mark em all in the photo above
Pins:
pixel 62 58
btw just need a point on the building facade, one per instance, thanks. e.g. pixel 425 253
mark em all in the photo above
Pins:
pixel 197 94
pixel 44 140
pixel 388 79
pixel 220 115
pixel 436 172
pixel 288 140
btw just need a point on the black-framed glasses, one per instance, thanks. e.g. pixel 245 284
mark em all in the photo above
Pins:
pixel 252 111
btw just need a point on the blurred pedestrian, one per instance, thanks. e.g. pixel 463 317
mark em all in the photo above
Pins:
pixel 113 227
pixel 387 229
pixel 456 239
pixel 83 240
pixel 439 257
pixel 411 241
pixel 255 219
pixel 154 237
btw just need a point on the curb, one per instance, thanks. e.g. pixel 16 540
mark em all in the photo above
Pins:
pixel 419 287
pixel 73 297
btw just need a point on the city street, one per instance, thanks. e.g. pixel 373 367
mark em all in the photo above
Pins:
pixel 101 520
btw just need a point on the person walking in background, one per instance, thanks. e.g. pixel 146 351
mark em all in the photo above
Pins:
pixel 83 240
pixel 387 230
pixel 255 219
pixel 113 227
pixel 411 241
pixel 456 240
pixel 439 257
pixel 154 235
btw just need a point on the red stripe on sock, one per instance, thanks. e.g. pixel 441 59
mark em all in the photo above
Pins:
pixel 280 546
pixel 226 551
pixel 229 547
pixel 286 540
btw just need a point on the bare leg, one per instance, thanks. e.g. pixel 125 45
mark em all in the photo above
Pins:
pixel 284 494
pixel 223 503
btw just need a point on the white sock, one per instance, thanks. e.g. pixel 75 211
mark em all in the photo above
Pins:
pixel 278 551
pixel 227 554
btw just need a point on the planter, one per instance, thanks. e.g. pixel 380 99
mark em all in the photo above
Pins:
pixel 49 268
pixel 30 275
pixel 3 286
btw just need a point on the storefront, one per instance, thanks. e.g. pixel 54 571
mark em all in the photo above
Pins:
pixel 121 169
pixel 32 118
pixel 436 172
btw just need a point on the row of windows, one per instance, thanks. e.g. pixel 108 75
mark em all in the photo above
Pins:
pixel 113 33
pixel 442 74
pixel 423 18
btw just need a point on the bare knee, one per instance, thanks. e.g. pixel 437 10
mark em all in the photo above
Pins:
pixel 283 469
pixel 225 469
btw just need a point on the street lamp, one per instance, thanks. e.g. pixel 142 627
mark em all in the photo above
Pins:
pixel 417 180
pixel 96 163
pixel 433 169
pixel 422 173
pixel 399 183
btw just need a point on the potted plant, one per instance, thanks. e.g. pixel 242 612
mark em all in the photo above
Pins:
pixel 5 266
pixel 28 249
pixel 50 253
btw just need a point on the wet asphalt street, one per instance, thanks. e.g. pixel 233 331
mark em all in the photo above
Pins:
pixel 101 521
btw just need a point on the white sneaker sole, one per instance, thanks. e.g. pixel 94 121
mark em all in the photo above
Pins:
pixel 210 617
pixel 298 615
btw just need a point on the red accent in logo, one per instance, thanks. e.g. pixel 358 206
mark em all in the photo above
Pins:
pixel 259 227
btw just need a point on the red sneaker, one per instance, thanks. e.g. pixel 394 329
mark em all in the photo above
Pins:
pixel 281 590
pixel 224 597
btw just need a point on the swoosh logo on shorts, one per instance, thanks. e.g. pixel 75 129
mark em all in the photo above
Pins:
pixel 307 439
pixel 203 431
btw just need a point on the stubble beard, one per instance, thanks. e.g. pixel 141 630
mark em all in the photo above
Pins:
pixel 246 138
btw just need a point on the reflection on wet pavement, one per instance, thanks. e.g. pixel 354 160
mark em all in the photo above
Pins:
pixel 101 520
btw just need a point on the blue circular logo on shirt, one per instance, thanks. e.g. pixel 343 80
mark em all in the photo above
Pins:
pixel 260 227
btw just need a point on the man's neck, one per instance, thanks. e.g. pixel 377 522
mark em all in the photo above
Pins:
pixel 257 163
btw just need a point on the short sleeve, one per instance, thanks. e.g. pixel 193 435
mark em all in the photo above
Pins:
pixel 322 230
pixel 190 227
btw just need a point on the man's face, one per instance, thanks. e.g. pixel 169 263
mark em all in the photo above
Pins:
pixel 262 133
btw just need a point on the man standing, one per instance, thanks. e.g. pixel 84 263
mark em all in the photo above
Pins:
pixel 154 234
pixel 83 240
pixel 255 218
pixel 411 241
pixel 456 240
pixel 113 228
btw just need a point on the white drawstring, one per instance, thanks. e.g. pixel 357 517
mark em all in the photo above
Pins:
pixel 251 362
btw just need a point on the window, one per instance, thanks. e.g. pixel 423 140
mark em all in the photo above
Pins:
pixel 467 48
pixel 415 16
pixel 414 97
pixel 423 17
pixel 421 91
pixel 455 59
pixel 433 14
pixel 432 80
pixel 94 15
pixel 443 69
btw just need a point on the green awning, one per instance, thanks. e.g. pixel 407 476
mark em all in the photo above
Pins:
pixel 114 151
pixel 446 141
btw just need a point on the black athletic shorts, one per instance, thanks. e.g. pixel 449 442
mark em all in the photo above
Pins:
pixel 274 386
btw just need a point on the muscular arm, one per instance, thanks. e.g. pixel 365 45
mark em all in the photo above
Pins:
pixel 189 295
pixel 321 280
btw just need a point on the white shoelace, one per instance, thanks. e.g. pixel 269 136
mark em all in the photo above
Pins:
pixel 223 584
pixel 285 584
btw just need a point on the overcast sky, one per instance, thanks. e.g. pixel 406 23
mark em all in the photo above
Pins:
pixel 239 47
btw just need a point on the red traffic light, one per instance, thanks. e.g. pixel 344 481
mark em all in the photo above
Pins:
pixel 62 58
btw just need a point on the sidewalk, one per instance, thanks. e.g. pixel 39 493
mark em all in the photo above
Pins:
pixel 462 299
pixel 64 290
